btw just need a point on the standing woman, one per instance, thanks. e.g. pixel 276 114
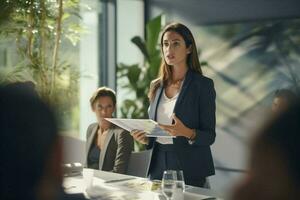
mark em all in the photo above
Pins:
pixel 182 101
pixel 108 147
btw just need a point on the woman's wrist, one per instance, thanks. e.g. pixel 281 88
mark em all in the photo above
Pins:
pixel 192 134
pixel 146 141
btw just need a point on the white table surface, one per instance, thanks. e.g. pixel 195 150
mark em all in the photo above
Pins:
pixel 113 186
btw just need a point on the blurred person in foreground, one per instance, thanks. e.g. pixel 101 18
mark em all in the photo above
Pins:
pixel 274 171
pixel 30 148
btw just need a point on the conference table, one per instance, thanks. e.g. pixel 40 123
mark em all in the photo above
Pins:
pixel 97 184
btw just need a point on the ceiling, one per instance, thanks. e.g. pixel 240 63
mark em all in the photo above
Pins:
pixel 225 11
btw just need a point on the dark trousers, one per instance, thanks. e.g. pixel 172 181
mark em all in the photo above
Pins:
pixel 165 158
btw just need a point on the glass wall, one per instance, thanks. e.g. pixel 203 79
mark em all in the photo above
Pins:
pixel 63 63
pixel 39 43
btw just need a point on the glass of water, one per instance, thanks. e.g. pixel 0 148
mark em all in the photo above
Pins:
pixel 173 184
pixel 168 183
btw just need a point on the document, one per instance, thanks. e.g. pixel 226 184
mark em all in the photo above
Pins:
pixel 148 125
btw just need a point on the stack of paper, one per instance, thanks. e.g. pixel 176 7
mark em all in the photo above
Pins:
pixel 151 127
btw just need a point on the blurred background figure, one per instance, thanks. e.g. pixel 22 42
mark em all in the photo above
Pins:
pixel 108 147
pixel 275 162
pixel 30 148
pixel 283 98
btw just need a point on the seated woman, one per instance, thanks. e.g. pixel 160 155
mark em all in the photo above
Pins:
pixel 108 147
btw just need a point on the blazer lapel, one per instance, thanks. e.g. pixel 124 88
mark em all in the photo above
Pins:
pixel 103 151
pixel 186 83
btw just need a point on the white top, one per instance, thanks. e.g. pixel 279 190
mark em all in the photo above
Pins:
pixel 164 114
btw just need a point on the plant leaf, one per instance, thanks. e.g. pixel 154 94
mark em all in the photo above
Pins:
pixel 133 74
pixel 153 29
pixel 138 41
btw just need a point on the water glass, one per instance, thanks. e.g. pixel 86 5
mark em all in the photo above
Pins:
pixel 179 185
pixel 173 184
pixel 168 184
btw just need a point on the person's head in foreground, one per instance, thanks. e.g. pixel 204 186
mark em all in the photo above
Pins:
pixel 31 151
pixel 275 161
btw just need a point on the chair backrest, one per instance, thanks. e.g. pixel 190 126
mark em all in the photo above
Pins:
pixel 74 150
pixel 139 163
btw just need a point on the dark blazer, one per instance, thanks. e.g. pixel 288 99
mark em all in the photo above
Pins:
pixel 117 149
pixel 196 108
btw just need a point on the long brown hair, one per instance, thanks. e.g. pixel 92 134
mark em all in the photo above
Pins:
pixel 165 71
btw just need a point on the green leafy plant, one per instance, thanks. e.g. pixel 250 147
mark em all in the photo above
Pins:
pixel 38 28
pixel 140 76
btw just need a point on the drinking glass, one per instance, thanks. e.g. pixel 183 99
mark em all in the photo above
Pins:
pixel 180 179
pixel 179 185
pixel 168 184
pixel 173 184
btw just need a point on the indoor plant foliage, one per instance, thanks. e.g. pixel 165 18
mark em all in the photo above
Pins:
pixel 140 76
pixel 38 28
pixel 275 44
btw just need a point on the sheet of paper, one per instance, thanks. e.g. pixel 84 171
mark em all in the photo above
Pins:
pixel 149 126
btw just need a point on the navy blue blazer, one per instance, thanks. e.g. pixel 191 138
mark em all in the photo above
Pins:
pixel 196 108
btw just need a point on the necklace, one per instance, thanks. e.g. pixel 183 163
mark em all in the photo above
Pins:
pixel 175 83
